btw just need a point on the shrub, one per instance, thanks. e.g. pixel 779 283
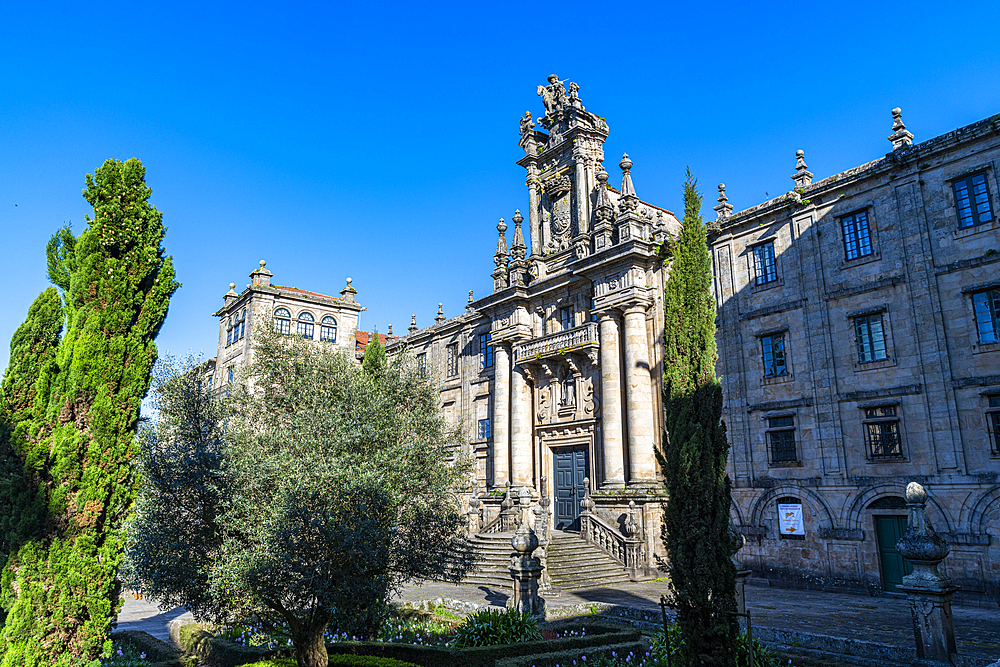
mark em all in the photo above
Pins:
pixel 340 661
pixel 762 656
pixel 492 627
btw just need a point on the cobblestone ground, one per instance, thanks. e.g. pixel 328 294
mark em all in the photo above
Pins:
pixel 882 620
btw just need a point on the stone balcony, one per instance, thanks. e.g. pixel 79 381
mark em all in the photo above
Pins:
pixel 577 339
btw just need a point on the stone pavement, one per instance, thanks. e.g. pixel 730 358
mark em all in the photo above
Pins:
pixel 881 620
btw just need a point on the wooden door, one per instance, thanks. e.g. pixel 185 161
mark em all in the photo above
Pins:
pixel 570 470
pixel 888 530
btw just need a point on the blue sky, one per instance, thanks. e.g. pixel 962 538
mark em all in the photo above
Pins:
pixel 379 141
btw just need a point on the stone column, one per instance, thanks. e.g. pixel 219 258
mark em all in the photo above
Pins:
pixel 638 399
pixel 520 429
pixel 611 405
pixel 582 195
pixel 928 591
pixel 501 401
pixel 536 248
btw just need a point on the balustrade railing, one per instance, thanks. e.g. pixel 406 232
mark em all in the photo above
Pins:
pixel 626 549
pixel 554 343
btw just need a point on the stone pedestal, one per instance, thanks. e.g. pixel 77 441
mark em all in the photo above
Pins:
pixel 928 591
pixel 525 570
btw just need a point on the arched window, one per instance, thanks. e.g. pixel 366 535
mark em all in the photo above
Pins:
pixel 328 330
pixel 229 332
pixel 282 321
pixel 241 327
pixel 305 326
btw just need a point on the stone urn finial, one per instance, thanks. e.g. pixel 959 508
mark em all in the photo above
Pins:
pixel 587 503
pixel 920 545
pixel 631 527
pixel 507 501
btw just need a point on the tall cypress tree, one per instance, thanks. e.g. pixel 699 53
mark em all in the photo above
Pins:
pixel 375 361
pixel 696 515
pixel 59 583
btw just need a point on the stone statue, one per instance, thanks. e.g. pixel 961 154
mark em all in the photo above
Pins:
pixel 553 95
pixel 526 123
pixel 567 395
pixel 547 99
pixel 574 93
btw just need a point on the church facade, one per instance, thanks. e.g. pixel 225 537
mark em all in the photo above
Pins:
pixel 858 337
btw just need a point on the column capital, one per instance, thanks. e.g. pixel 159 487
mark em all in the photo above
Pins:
pixel 633 308
pixel 605 314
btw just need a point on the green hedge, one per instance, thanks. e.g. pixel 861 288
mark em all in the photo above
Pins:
pixel 197 640
pixel 340 661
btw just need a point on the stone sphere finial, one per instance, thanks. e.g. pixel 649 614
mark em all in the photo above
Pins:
pixel 626 163
pixel 800 153
pixel 348 282
pixel 518 218
pixel 916 494
pixel 897 112
pixel 501 226
pixel 602 176
pixel 232 286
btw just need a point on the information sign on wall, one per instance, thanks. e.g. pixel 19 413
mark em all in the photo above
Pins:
pixel 790 519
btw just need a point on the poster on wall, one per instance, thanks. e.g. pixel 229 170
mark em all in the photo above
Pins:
pixel 790 519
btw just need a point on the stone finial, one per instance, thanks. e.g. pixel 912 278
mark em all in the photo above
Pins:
pixel 802 175
pixel 628 190
pixel 502 256
pixel 631 526
pixel 723 209
pixel 347 294
pixel 232 290
pixel 517 247
pixel 920 544
pixel 470 296
pixel 439 318
pixel 413 323
pixel 261 277
pixel 900 137
pixel 231 295
pixel 587 503
pixel 389 332
pixel 507 502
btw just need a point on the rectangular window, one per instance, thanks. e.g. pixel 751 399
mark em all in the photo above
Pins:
pixel 566 318
pixel 870 338
pixel 993 419
pixel 972 199
pixel 773 349
pixel 422 363
pixel 987 308
pixel 781 438
pixel 452 359
pixel 882 431
pixel 229 336
pixel 209 385
pixel 484 429
pixel 485 351
pixel 328 334
pixel 763 263
pixel 229 377
pixel 305 329
pixel 857 239
pixel 282 326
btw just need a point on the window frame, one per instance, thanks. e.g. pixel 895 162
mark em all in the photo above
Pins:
pixel 485 351
pixel 992 306
pixel 974 218
pixel 325 329
pixel 770 337
pixel 993 422
pixel 565 318
pixel 451 357
pixel 305 325
pixel 422 364
pixel 283 321
pixel 853 219
pixel 867 319
pixel 758 261
pixel 775 430
pixel 871 420
pixel 483 431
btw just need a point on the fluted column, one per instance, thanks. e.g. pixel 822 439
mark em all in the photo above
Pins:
pixel 638 398
pixel 501 427
pixel 611 406
pixel 520 428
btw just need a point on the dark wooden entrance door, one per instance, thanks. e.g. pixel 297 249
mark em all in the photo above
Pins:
pixel 570 468
pixel 888 530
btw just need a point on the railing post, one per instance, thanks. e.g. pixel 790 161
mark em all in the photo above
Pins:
pixel 586 505
pixel 633 544
pixel 508 515
pixel 475 513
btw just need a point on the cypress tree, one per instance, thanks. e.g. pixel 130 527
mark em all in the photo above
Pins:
pixel 59 583
pixel 696 530
pixel 375 361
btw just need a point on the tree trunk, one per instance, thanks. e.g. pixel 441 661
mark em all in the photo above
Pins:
pixel 310 647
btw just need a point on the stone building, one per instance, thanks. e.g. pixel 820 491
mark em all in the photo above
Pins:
pixel 859 345
pixel 325 319
pixel 557 373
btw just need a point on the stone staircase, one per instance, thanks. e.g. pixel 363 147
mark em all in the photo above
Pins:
pixel 572 563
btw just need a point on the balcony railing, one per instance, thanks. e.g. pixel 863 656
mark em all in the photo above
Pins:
pixel 562 341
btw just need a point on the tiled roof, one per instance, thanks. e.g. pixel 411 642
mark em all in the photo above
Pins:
pixel 302 291
pixel 363 337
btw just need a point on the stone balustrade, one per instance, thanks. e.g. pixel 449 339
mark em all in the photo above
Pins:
pixel 562 341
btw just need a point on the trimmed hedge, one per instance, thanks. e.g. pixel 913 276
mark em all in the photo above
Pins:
pixel 155 649
pixel 601 639
pixel 340 661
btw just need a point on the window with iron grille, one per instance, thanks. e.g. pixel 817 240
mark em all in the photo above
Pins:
pixel 993 420
pixel 972 199
pixel 328 330
pixel 305 325
pixel 857 239
pixel 781 438
pixel 882 432
pixel 453 359
pixel 773 354
pixel 987 308
pixel 282 321
pixel 422 363
pixel 485 351
pixel 870 336
pixel 566 318
pixel 484 429
pixel 763 264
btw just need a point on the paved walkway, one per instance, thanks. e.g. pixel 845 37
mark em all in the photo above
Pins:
pixel 884 621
